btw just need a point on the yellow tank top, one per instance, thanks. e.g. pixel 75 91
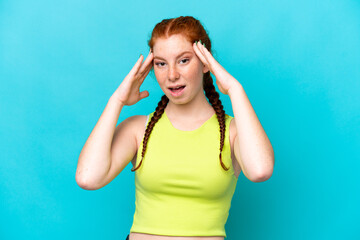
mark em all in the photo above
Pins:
pixel 180 188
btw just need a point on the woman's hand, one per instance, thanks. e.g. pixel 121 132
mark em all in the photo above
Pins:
pixel 224 80
pixel 128 93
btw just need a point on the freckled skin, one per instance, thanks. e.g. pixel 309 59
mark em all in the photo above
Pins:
pixel 186 69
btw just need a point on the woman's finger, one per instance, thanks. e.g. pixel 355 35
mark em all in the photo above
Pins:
pixel 200 54
pixel 207 55
pixel 136 67
pixel 147 65
pixel 147 62
pixel 144 94
pixel 202 50
pixel 144 74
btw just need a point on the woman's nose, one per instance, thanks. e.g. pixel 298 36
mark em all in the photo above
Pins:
pixel 173 73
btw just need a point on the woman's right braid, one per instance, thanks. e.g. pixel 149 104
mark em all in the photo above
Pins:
pixel 156 116
pixel 214 99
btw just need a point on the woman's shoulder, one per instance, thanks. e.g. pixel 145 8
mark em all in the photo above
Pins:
pixel 232 127
pixel 133 125
pixel 228 118
pixel 137 125
pixel 135 119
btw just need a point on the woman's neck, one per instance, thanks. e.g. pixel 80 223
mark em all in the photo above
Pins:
pixel 196 109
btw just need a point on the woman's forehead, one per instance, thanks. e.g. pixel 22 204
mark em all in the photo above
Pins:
pixel 173 46
pixel 172 43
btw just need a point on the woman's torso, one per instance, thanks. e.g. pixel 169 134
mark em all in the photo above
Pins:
pixel 144 236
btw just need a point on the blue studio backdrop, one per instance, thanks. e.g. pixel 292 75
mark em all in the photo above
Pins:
pixel 298 61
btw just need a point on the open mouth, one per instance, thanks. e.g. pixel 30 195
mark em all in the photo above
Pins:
pixel 177 91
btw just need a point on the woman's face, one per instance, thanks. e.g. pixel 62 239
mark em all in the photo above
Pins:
pixel 178 69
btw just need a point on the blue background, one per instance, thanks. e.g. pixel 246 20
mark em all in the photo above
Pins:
pixel 299 63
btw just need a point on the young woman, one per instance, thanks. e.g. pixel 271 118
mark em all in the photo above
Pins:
pixel 187 154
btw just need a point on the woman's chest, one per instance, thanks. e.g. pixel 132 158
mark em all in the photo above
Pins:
pixel 185 165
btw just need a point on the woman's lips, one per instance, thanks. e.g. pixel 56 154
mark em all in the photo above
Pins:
pixel 177 91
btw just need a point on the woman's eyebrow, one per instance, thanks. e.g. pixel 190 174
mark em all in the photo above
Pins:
pixel 176 56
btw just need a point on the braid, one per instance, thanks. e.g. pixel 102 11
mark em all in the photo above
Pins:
pixel 214 100
pixel 192 29
pixel 156 116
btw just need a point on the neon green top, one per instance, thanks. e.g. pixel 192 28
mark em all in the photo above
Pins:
pixel 181 188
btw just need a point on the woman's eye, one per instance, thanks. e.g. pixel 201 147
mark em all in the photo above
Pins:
pixel 159 63
pixel 185 59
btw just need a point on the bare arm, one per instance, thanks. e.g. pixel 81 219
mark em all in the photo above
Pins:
pixel 252 147
pixel 95 157
pixel 96 164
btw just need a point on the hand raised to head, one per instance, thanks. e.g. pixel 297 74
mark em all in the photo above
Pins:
pixel 128 93
pixel 224 80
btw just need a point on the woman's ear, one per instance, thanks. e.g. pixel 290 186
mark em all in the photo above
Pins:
pixel 205 69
